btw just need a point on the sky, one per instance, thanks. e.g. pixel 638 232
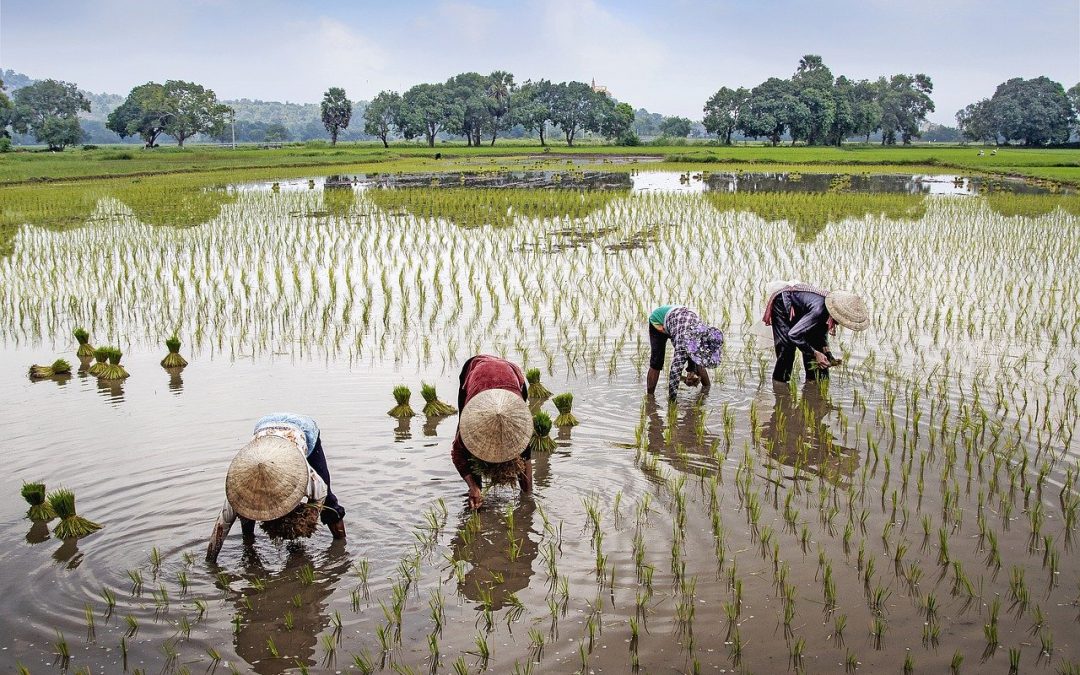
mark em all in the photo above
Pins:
pixel 666 56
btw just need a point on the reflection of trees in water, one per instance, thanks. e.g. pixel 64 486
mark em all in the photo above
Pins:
pixel 262 613
pixel 798 435
pixel 1030 206
pixel 475 207
pixel 172 203
pixel 807 214
pixel 168 200
pixel 483 541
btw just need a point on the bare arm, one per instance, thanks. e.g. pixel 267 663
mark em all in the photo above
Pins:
pixel 221 529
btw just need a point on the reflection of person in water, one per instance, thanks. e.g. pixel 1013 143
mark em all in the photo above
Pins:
pixel 262 612
pixel 680 442
pixel 485 545
pixel 798 435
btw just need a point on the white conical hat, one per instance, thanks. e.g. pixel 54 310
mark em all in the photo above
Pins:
pixel 496 425
pixel 267 478
pixel 848 310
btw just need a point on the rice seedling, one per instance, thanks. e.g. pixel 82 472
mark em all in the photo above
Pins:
pixel 71 524
pixel 537 391
pixel 57 367
pixel 173 358
pixel 564 403
pixel 541 439
pixel 63 652
pixel 433 407
pixel 40 509
pixel 85 350
pixel 112 370
pixel 402 410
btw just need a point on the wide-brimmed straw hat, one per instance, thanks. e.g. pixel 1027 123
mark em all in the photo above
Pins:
pixel 847 309
pixel 496 425
pixel 267 478
pixel 705 346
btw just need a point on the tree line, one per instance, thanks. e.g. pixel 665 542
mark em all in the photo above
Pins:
pixel 1038 111
pixel 814 107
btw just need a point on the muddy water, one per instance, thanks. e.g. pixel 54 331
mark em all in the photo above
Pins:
pixel 687 525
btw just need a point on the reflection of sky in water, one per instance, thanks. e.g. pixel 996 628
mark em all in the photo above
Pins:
pixel 676 182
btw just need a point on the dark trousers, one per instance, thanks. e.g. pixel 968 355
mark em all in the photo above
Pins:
pixel 658 348
pixel 332 511
pixel 786 349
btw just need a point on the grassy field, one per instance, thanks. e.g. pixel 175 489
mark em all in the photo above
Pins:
pixel 118 161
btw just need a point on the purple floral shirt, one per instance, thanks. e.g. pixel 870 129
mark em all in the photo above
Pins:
pixel 692 337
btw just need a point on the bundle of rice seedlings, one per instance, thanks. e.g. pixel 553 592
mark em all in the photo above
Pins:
pixel 433 407
pixel 85 350
pixel 501 473
pixel 300 522
pixel 537 391
pixel 173 358
pixel 564 402
pixel 541 440
pixel 40 510
pixel 113 370
pixel 71 524
pixel 58 367
pixel 402 394
pixel 101 356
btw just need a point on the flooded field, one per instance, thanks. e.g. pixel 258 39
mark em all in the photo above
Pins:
pixel 919 513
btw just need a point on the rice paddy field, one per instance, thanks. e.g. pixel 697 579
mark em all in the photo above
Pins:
pixel 918 513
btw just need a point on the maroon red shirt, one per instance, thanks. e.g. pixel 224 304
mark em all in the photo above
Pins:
pixel 481 373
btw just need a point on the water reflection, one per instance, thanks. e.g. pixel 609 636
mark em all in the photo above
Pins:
pixel 798 435
pixel 499 553
pixel 431 424
pixel 37 533
pixel 68 553
pixel 681 437
pixel 403 431
pixel 111 390
pixel 286 599
pixel 176 380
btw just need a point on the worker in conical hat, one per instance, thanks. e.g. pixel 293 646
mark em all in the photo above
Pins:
pixel 279 478
pixel 495 425
pixel 698 347
pixel 802 319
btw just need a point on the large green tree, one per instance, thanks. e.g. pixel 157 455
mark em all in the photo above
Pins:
pixel 6 112
pixel 382 115
pixel 531 106
pixel 467 110
pixel 143 113
pixel 1074 98
pixel 49 110
pixel 905 103
pixel 500 89
pixel 771 110
pixel 195 109
pixel 426 110
pixel 575 108
pixel 722 112
pixel 812 86
pixel 1033 112
pixel 336 111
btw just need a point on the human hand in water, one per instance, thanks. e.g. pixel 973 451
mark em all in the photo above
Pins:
pixel 823 361
pixel 476 498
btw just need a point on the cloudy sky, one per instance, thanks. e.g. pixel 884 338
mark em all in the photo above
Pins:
pixel 667 56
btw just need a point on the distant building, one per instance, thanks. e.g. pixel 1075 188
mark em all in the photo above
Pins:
pixel 599 89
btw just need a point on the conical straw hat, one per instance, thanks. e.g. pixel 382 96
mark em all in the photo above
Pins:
pixel 848 310
pixel 496 425
pixel 267 478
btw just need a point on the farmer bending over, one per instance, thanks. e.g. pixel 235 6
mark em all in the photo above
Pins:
pixel 279 478
pixel 802 318
pixel 494 427
pixel 697 347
